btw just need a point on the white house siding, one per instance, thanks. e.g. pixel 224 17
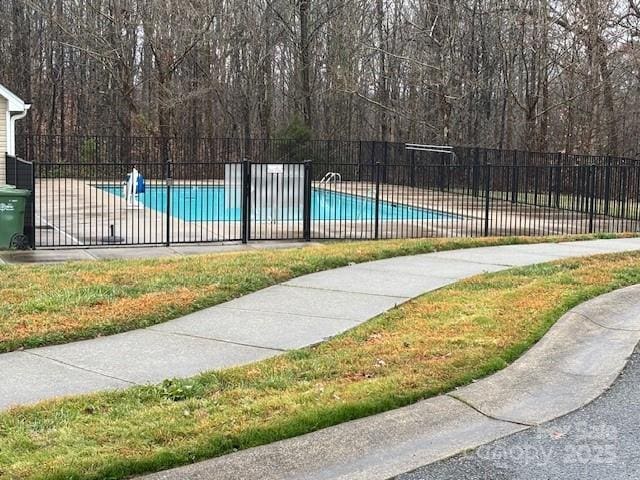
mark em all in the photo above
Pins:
pixel 3 139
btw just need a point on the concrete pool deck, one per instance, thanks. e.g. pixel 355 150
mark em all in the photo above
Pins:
pixel 302 311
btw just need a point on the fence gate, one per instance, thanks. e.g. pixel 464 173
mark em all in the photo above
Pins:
pixel 277 200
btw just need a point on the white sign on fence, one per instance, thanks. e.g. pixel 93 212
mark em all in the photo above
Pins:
pixel 275 168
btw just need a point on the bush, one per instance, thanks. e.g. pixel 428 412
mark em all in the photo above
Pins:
pixel 296 143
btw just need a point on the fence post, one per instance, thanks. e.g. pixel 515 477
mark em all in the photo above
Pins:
pixel 623 197
pixel 306 209
pixel 487 198
pixel 377 206
pixel 607 186
pixel 246 193
pixel 32 230
pixel 169 183
pixel 592 195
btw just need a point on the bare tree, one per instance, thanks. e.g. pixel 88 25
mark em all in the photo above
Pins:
pixel 535 74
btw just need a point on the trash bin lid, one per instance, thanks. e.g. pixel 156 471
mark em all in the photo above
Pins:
pixel 12 191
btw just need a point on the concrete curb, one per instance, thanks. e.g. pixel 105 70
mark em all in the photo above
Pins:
pixel 576 361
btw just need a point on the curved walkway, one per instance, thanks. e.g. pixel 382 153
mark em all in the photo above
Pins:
pixel 300 312
pixel 575 362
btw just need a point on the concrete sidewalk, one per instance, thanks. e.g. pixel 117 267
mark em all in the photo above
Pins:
pixel 576 361
pixel 300 312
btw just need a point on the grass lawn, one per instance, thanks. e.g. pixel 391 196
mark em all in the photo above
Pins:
pixel 48 304
pixel 427 346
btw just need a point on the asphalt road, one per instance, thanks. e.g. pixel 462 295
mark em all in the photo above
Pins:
pixel 599 441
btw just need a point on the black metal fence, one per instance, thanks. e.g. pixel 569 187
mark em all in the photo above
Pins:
pixel 215 190
pixel 93 149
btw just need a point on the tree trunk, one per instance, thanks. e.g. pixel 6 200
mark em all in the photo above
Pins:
pixel 305 62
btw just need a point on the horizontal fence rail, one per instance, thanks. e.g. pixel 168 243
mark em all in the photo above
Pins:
pixel 215 190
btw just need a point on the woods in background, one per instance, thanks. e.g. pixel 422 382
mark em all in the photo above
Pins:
pixel 529 74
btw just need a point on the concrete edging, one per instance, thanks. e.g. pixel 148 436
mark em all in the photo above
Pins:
pixel 576 361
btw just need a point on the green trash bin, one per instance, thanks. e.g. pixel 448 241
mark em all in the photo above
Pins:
pixel 12 206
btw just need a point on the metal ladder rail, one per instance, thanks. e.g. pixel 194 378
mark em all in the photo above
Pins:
pixel 329 176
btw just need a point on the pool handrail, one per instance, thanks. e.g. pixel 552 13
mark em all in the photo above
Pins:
pixel 329 176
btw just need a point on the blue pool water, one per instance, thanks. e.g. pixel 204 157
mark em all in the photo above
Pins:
pixel 209 203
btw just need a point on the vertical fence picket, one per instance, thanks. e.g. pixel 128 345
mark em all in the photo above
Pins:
pixel 246 194
pixel 592 195
pixel 487 198
pixel 378 167
pixel 169 185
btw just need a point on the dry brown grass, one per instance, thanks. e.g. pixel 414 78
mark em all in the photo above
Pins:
pixel 429 345
pixel 57 303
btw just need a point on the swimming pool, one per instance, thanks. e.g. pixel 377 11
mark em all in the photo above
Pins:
pixel 211 203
